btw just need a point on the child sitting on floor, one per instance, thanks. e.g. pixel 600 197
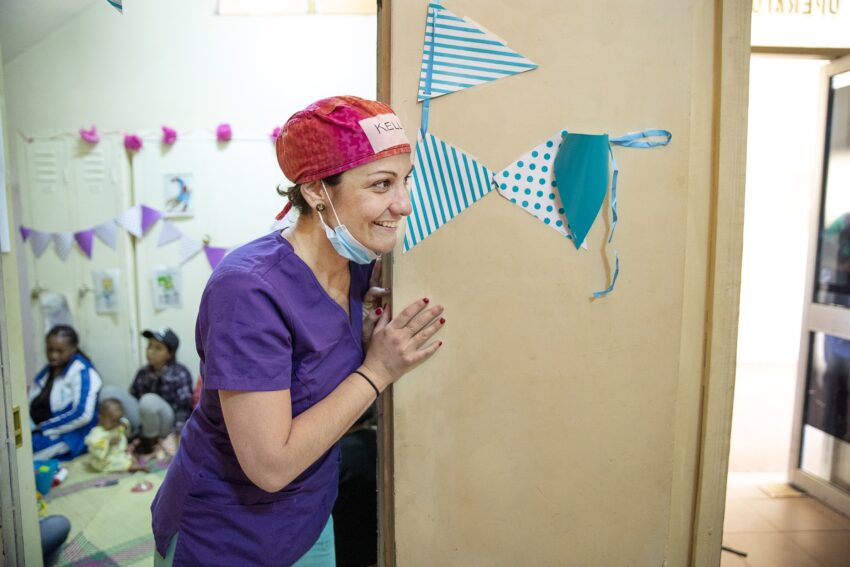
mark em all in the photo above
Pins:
pixel 107 442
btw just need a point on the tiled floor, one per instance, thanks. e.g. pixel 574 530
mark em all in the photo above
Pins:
pixel 781 532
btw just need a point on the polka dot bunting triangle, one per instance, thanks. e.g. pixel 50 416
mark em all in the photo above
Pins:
pixel 529 182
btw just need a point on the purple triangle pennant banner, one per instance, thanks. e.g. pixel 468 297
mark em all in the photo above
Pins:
pixel 215 255
pixel 85 240
pixel 25 232
pixel 149 217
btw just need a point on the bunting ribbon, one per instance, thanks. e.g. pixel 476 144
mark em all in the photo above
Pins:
pixel 562 182
pixel 136 220
pixel 429 69
pixel 644 139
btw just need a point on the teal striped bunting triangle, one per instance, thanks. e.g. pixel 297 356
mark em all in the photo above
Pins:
pixel 459 54
pixel 445 182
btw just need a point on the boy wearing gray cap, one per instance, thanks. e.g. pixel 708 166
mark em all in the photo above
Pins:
pixel 163 388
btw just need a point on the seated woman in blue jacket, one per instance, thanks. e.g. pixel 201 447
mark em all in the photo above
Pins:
pixel 63 398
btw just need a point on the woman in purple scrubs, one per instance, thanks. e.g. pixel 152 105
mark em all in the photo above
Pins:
pixel 288 360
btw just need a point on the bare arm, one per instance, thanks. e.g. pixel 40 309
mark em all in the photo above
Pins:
pixel 273 448
pixel 283 448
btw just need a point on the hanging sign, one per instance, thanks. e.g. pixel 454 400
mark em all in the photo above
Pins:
pixel 810 24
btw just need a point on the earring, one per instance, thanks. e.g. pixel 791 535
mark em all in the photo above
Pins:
pixel 320 207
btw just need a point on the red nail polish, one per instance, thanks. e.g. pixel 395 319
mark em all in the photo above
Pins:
pixel 378 311
pixel 442 321
pixel 440 343
pixel 426 300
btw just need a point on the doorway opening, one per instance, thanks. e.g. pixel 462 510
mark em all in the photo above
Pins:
pixel 767 512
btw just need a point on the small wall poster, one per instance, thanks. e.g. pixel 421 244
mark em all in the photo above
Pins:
pixel 179 190
pixel 106 286
pixel 166 289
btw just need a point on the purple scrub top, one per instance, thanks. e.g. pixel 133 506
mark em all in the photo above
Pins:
pixel 265 323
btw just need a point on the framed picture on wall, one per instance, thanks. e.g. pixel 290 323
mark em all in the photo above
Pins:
pixel 178 195
pixel 106 286
pixel 166 288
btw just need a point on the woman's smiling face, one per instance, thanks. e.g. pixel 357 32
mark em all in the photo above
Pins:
pixel 372 200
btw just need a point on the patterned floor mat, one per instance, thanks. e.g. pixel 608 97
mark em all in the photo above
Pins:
pixel 110 525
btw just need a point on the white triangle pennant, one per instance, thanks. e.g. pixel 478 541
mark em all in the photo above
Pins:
pixel 188 248
pixel 131 221
pixel 107 232
pixel 62 244
pixel 529 183
pixel 40 241
pixel 168 233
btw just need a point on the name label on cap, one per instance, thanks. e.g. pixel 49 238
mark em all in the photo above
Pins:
pixel 384 131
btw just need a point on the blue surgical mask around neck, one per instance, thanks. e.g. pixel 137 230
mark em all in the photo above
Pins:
pixel 343 241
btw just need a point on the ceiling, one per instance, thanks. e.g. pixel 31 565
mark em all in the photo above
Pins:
pixel 23 23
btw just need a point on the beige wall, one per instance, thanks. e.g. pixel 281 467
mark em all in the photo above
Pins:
pixel 553 429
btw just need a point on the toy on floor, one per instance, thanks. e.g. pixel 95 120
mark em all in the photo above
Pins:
pixel 143 486
pixel 41 503
pixel 45 471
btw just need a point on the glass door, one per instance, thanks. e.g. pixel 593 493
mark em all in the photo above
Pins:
pixel 820 456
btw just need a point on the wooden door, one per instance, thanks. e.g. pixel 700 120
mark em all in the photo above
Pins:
pixel 553 428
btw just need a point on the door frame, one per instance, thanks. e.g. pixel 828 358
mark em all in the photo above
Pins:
pixel 386 493
pixel 725 226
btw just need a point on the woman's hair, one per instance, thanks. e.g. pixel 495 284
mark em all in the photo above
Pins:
pixel 67 332
pixel 297 199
